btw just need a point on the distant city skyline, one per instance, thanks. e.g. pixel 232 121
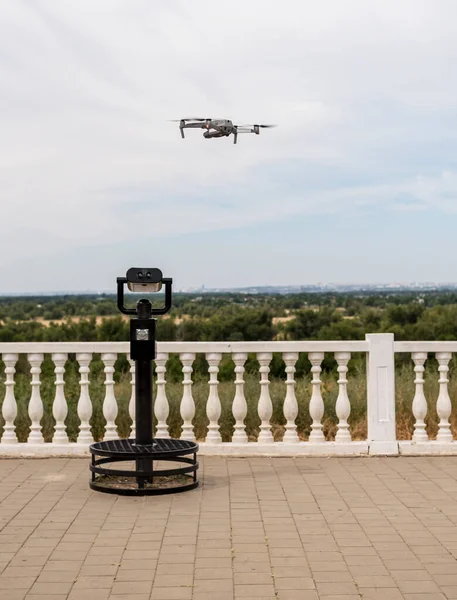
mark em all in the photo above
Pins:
pixel 290 289
pixel 358 181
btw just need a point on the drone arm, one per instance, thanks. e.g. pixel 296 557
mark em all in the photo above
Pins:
pixel 194 126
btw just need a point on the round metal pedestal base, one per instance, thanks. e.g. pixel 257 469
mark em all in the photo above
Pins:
pixel 139 481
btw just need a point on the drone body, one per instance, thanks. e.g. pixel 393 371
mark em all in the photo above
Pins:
pixel 216 128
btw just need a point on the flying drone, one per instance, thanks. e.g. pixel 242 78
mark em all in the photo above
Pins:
pixel 216 128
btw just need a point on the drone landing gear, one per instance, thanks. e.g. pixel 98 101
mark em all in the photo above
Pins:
pixel 182 132
pixel 235 135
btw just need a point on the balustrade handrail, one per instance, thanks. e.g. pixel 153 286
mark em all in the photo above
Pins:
pixel 198 347
pixel 445 346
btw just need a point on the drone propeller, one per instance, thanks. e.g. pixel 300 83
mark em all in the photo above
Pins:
pixel 256 125
pixel 188 119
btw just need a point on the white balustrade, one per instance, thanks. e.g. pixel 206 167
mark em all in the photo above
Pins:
pixel 443 404
pixel 132 403
pixel 290 408
pixel 239 407
pixel 213 406
pixel 419 400
pixel 343 406
pixel 59 407
pixel 265 406
pixel 109 404
pixel 378 348
pixel 9 408
pixel 187 407
pixel 161 407
pixel 316 404
pixel 35 403
pixel 84 404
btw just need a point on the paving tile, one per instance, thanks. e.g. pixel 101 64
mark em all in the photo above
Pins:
pixel 50 589
pixel 83 593
pixel 16 583
pixel 175 593
pixel 419 587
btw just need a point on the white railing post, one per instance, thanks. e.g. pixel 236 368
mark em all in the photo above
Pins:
pixel 419 400
pixel 239 407
pixel 343 406
pixel 265 406
pixel 59 406
pixel 132 402
pixel 187 407
pixel 290 408
pixel 382 437
pixel 161 407
pixel 443 404
pixel 84 404
pixel 213 405
pixel 9 408
pixel 109 403
pixel 316 404
pixel 36 403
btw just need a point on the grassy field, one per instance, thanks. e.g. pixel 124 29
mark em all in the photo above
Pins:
pixel 200 389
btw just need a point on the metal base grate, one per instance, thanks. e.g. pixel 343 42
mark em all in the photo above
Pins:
pixel 144 479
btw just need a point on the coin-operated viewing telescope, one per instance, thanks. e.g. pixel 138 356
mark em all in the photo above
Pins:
pixel 144 449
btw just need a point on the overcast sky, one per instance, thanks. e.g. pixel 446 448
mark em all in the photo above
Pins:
pixel 358 183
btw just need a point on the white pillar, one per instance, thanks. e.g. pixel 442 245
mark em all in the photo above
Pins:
pixel 187 407
pixel 419 401
pixel 316 404
pixel 132 403
pixel 290 407
pixel 443 404
pixel 343 406
pixel 265 407
pixel 84 402
pixel 9 408
pixel 109 403
pixel 35 403
pixel 59 406
pixel 161 407
pixel 239 408
pixel 213 406
pixel 382 437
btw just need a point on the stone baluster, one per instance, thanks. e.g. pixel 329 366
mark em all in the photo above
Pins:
pixel 265 407
pixel 343 406
pixel 9 408
pixel 443 404
pixel 161 407
pixel 213 406
pixel 316 404
pixel 35 403
pixel 290 408
pixel 187 407
pixel 419 401
pixel 109 403
pixel 84 404
pixel 239 408
pixel 59 406
pixel 132 403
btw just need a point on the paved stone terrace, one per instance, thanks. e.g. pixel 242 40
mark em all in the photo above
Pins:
pixel 258 528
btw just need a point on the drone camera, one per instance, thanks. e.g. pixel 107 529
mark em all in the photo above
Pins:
pixel 144 279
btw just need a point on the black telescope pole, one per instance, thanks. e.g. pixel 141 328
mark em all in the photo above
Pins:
pixel 143 397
